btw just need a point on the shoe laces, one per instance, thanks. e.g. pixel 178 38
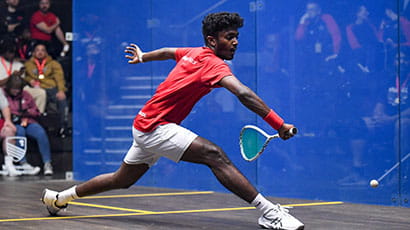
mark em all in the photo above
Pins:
pixel 276 214
pixel 282 209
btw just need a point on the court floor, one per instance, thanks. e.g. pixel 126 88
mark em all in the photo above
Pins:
pixel 157 208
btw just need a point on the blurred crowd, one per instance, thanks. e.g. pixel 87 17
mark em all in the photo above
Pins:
pixel 33 50
pixel 352 70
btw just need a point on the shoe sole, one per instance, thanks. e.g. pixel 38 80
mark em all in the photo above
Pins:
pixel 300 228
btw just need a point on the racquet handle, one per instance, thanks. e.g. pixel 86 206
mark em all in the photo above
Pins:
pixel 292 131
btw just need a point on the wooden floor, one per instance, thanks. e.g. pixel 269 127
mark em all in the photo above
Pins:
pixel 154 208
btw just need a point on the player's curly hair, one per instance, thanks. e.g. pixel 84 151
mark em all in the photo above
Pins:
pixel 217 22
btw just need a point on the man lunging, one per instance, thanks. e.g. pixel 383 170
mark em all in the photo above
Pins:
pixel 156 129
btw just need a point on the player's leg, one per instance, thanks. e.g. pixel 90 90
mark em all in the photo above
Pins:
pixel 124 177
pixel 136 164
pixel 205 152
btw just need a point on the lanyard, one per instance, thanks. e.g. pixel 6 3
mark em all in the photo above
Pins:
pixel 40 66
pixel 22 51
pixel 8 70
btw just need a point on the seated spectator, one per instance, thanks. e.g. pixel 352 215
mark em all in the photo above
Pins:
pixel 44 24
pixel 24 113
pixel 42 71
pixel 12 20
pixel 364 42
pixel 25 45
pixel 7 129
pixel 10 66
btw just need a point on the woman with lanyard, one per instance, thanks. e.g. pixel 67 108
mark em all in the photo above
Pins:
pixel 10 66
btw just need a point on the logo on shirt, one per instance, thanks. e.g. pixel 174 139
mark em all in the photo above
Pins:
pixel 189 59
pixel 142 114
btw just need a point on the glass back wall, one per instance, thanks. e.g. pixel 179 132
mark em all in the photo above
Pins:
pixel 337 70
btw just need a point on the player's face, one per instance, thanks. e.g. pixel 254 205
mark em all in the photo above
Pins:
pixel 226 44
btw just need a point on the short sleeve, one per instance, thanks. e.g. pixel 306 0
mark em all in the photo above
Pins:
pixel 180 52
pixel 35 19
pixel 216 73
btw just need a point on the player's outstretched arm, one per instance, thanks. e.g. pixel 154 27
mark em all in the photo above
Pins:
pixel 253 102
pixel 135 54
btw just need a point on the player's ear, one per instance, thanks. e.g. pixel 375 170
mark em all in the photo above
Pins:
pixel 211 40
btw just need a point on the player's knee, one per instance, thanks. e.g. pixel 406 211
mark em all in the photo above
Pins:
pixel 216 156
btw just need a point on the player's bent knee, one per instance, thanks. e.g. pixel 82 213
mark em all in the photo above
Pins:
pixel 216 156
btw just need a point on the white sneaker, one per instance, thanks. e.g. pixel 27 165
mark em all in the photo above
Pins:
pixel 279 218
pixel 10 168
pixel 49 198
pixel 3 171
pixel 27 169
pixel 48 169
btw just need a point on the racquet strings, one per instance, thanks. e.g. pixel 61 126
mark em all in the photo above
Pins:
pixel 252 142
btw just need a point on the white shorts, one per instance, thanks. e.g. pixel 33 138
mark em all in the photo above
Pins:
pixel 169 140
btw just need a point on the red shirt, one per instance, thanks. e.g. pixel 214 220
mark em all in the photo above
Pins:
pixel 332 28
pixel 197 71
pixel 48 18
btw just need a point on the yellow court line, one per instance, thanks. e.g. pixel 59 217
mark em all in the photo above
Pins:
pixel 314 204
pixel 110 207
pixel 149 195
pixel 160 213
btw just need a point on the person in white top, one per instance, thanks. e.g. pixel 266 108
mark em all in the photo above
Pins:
pixel 10 66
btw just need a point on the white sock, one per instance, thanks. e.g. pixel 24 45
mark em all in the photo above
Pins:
pixel 261 203
pixel 66 196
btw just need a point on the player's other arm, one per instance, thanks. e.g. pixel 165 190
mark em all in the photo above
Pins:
pixel 254 103
pixel 137 56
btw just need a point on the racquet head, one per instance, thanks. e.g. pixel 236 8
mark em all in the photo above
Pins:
pixel 253 141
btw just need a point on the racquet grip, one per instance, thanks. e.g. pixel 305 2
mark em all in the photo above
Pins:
pixel 292 131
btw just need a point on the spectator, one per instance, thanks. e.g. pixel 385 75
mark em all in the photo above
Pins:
pixel 385 117
pixel 364 42
pixel 10 66
pixel 12 20
pixel 25 45
pixel 44 24
pixel 319 40
pixel 391 27
pixel 7 129
pixel 24 113
pixel 42 71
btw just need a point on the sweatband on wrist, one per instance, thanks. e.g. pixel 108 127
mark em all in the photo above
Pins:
pixel 274 120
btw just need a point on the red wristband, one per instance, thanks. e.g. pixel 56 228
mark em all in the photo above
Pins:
pixel 274 120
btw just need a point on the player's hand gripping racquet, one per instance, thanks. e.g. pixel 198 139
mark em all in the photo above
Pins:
pixel 253 141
